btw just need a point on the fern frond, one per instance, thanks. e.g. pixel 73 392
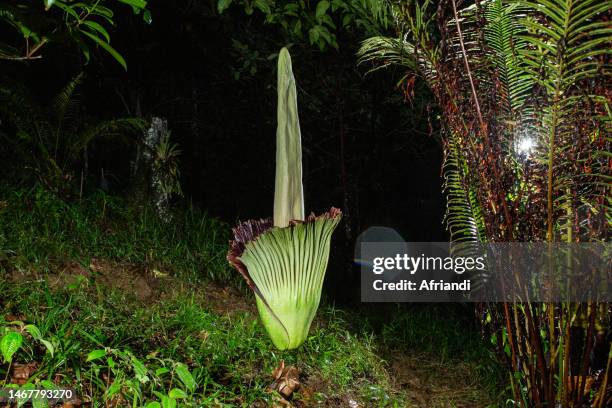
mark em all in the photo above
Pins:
pixel 565 40
pixel 463 219
pixel 65 104
pixel 15 107
pixel 501 32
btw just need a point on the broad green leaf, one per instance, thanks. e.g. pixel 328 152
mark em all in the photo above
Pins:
pixel 185 376
pixel 168 402
pixel 139 370
pixel 97 27
pixel 114 388
pixel 297 29
pixel 263 6
pixel 37 335
pixel 325 34
pixel 107 47
pixel 48 4
pixel 314 34
pixel 346 20
pixel 153 404
pixel 223 5
pixel 140 4
pixel 26 32
pixel 146 17
pixel 4 392
pixel 177 393
pixel 9 345
pixel 104 12
pixel 22 400
pixel 69 10
pixel 40 403
pixel 336 4
pixel 291 10
pixel 49 384
pixel 96 354
pixel 48 346
pixel 322 8
pixel 161 370
pixel 327 20
pixel 34 331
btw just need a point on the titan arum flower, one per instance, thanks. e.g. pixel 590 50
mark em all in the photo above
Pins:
pixel 284 259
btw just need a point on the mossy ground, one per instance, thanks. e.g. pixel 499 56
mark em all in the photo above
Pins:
pixel 128 302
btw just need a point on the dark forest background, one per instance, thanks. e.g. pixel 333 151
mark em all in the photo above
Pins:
pixel 370 146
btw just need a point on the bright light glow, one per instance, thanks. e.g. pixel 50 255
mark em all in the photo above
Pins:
pixel 525 145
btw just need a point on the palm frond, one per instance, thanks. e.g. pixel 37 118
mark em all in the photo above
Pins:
pixel 384 52
pixel 413 49
pixel 118 129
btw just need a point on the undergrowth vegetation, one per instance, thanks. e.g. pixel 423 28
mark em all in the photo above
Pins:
pixel 112 351
pixel 40 230
pixel 189 342
pixel 446 332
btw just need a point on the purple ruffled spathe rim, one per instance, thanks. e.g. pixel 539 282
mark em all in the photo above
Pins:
pixel 244 233
pixel 248 231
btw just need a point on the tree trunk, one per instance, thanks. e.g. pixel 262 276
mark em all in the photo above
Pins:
pixel 147 180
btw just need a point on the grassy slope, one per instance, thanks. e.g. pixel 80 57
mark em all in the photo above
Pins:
pixel 119 282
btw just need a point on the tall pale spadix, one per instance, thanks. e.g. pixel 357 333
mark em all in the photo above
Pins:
pixel 288 191
pixel 284 259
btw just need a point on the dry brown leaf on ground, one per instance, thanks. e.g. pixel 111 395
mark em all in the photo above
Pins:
pixel 22 372
pixel 15 318
pixel 278 371
pixel 72 403
pixel 286 379
pixel 280 402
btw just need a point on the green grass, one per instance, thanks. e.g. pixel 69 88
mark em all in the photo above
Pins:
pixel 229 357
pixel 42 230
pixel 117 349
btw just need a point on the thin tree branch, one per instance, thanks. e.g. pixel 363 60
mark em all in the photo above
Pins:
pixel 31 53
pixel 15 58
pixel 467 67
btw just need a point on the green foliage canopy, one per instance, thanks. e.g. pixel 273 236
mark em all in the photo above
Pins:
pixel 84 23
pixel 317 23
